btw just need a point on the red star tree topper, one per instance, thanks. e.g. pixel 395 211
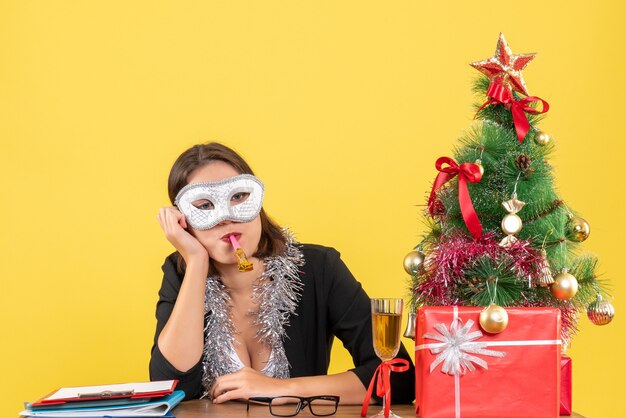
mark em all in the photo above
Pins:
pixel 505 67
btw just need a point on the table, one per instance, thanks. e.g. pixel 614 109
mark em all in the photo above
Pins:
pixel 205 408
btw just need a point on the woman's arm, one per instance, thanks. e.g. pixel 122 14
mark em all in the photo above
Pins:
pixel 179 337
pixel 190 380
pixel 247 383
pixel 182 340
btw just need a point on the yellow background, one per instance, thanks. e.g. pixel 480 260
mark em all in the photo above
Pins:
pixel 340 107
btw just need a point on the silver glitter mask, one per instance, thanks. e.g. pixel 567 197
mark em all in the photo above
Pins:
pixel 205 205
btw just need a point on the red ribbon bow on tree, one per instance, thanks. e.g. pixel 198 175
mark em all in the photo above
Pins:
pixel 466 172
pixel 499 93
pixel 383 383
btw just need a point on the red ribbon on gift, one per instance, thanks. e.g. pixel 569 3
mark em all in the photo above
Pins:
pixel 498 93
pixel 466 172
pixel 383 384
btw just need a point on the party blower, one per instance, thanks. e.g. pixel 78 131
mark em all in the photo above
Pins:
pixel 242 261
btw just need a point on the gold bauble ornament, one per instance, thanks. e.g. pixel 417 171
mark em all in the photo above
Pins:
pixel 413 261
pixel 511 224
pixel 578 229
pixel 494 319
pixel 480 167
pixel 565 285
pixel 542 138
pixel 600 312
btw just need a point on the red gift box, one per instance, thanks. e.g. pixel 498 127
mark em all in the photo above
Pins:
pixel 566 385
pixel 462 371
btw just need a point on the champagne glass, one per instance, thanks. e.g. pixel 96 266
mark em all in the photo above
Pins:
pixel 386 331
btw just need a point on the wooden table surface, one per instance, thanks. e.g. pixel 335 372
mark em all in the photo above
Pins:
pixel 204 408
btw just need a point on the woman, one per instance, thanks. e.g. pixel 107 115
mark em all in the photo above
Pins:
pixel 227 334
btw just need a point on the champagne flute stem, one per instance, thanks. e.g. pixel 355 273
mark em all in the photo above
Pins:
pixel 387 393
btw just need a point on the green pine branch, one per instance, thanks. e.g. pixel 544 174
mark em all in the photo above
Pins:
pixel 492 281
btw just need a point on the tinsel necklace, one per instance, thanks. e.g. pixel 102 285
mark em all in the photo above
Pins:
pixel 277 292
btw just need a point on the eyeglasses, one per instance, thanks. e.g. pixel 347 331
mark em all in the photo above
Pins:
pixel 290 406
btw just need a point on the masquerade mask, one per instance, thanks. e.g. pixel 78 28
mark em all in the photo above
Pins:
pixel 237 198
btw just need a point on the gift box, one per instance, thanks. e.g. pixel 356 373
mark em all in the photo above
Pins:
pixel 566 385
pixel 462 371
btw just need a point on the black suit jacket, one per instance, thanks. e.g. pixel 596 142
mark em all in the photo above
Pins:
pixel 333 304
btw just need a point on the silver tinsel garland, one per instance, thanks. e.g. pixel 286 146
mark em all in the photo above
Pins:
pixel 277 292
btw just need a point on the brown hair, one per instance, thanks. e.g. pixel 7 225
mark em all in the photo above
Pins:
pixel 272 242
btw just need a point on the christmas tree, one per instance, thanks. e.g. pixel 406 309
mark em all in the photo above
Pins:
pixel 498 234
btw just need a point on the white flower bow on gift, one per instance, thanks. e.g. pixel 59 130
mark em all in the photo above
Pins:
pixel 457 348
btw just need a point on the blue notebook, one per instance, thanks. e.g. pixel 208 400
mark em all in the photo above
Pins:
pixel 156 408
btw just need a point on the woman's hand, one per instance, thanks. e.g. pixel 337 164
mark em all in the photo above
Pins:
pixel 174 225
pixel 247 383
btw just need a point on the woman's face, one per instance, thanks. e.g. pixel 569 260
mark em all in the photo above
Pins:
pixel 216 240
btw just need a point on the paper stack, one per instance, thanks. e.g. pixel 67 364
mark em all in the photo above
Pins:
pixel 145 399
